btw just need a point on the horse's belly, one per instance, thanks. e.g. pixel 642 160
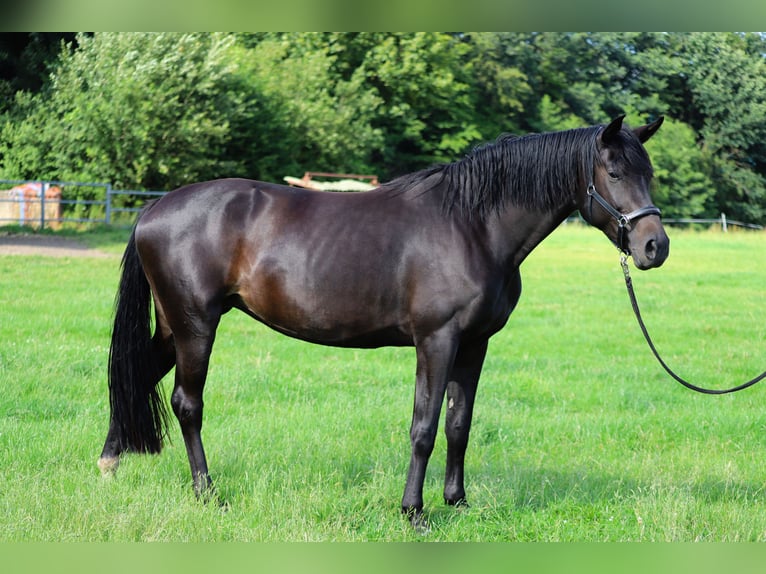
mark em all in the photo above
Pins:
pixel 330 312
pixel 386 337
pixel 341 330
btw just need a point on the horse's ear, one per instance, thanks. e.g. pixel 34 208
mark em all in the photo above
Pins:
pixel 645 132
pixel 611 131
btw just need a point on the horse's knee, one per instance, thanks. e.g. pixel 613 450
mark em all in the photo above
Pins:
pixel 188 410
pixel 423 439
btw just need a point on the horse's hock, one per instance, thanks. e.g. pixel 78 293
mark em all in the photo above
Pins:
pixel 27 204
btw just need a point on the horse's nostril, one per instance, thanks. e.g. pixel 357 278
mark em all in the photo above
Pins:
pixel 651 249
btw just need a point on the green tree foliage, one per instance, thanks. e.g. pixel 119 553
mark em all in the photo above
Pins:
pixel 727 77
pixel 137 110
pixel 683 184
pixel 428 115
pixel 416 91
pixel 24 61
pixel 298 113
pixel 156 111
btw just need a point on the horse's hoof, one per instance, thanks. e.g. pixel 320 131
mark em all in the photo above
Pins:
pixel 108 465
pixel 461 502
pixel 204 490
pixel 420 524
pixel 417 521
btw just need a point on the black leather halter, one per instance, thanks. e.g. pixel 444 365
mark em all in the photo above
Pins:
pixel 624 220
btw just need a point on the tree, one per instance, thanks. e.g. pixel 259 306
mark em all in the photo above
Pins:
pixel 683 187
pixel 714 83
pixel 25 59
pixel 298 112
pixel 156 111
pixel 138 110
pixel 502 88
pixel 429 105
pixel 582 76
pixel 727 78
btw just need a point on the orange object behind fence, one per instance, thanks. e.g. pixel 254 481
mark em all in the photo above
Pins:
pixel 23 205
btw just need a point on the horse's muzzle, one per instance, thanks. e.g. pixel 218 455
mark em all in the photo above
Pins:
pixel 650 248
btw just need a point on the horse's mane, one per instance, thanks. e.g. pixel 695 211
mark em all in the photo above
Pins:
pixel 534 172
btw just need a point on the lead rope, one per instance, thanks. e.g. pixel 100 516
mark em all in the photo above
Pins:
pixel 688 385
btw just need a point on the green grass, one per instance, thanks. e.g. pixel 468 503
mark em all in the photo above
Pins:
pixel 577 435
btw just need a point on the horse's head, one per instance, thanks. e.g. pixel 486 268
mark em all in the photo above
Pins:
pixel 617 199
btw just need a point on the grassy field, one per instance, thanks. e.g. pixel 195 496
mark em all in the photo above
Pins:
pixel 578 435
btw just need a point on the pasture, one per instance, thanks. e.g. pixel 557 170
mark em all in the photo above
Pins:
pixel 578 435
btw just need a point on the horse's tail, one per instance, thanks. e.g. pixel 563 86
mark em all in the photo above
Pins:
pixel 138 412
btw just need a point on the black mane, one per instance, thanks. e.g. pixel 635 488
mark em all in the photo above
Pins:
pixel 536 172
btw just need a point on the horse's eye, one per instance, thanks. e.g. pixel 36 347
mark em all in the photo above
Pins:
pixel 614 175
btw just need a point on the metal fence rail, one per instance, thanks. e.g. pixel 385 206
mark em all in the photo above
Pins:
pixel 43 203
pixel 112 210
pixel 725 223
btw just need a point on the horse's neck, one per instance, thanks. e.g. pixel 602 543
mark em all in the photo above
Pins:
pixel 515 232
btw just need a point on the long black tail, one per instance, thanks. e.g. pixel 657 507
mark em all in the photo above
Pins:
pixel 138 412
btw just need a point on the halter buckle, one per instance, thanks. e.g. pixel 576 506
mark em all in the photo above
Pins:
pixel 624 221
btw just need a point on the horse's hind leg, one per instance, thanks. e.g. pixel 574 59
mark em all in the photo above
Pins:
pixel 461 392
pixel 192 360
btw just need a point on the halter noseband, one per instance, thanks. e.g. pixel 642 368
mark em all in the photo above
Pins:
pixel 624 220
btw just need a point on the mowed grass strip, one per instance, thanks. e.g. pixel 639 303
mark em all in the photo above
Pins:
pixel 577 434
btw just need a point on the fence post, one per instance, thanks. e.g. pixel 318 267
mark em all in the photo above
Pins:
pixel 108 203
pixel 42 204
pixel 723 223
pixel 22 207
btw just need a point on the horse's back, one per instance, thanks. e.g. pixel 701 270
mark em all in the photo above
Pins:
pixel 242 200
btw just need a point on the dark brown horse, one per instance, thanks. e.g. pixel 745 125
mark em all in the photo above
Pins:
pixel 430 259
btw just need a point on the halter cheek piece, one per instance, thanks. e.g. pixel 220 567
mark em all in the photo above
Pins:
pixel 624 220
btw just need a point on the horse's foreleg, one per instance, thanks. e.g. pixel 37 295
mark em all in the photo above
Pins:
pixel 461 392
pixel 434 361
